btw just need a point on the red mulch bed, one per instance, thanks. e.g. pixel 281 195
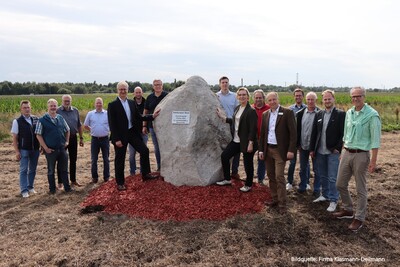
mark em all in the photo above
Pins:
pixel 159 200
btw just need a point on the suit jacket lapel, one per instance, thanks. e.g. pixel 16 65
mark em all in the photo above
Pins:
pixel 267 120
pixel 278 118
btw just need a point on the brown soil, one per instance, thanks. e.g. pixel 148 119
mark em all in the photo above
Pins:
pixel 49 230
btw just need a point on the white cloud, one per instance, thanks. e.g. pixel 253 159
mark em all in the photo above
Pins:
pixel 331 43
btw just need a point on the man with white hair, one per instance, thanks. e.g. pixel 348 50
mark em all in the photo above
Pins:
pixel 52 131
pixel 362 134
pixel 305 119
pixel 277 145
pixel 125 124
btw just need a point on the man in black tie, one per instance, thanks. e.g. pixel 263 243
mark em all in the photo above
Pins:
pixel 125 125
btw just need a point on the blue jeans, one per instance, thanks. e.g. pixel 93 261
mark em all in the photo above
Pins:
pixel 27 169
pixel 132 155
pixel 292 166
pixel 156 148
pixel 96 145
pixel 60 157
pixel 305 172
pixel 261 170
pixel 327 166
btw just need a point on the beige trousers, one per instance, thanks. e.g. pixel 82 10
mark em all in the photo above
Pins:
pixel 354 164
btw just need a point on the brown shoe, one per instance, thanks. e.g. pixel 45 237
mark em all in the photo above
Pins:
pixel 343 214
pixel 235 176
pixel 76 184
pixel 355 225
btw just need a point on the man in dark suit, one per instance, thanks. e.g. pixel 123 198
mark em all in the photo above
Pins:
pixel 277 145
pixel 326 145
pixel 125 124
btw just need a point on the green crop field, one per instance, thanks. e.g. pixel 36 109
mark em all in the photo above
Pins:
pixel 387 104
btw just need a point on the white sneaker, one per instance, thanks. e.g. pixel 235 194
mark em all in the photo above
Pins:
pixel 224 182
pixel 321 198
pixel 25 194
pixel 332 207
pixel 245 188
pixel 32 191
pixel 289 187
pixel 308 187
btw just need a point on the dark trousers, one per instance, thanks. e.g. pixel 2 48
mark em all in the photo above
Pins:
pixel 73 156
pixel 231 150
pixel 120 153
pixel 60 157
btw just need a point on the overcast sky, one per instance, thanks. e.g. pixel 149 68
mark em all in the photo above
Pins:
pixel 331 43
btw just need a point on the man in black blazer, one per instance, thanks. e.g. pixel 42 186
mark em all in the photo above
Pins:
pixel 326 145
pixel 125 125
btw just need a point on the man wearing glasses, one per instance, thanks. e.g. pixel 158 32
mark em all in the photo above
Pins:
pixel 362 133
pixel 151 103
pixel 125 122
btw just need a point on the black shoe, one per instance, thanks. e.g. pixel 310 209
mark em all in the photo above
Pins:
pixel 301 192
pixel 71 190
pixel 150 176
pixel 316 194
pixel 52 192
pixel 94 181
pixel 121 187
pixel 106 179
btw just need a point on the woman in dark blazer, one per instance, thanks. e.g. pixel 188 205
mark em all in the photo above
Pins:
pixel 244 134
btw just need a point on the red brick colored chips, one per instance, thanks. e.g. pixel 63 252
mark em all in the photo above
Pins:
pixel 159 200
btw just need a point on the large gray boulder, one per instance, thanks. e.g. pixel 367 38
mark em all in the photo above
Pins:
pixel 190 135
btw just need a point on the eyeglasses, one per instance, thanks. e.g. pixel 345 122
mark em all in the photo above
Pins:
pixel 242 94
pixel 356 96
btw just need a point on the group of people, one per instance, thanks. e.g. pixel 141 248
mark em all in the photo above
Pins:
pixel 276 132
pixel 59 131
pixel 338 144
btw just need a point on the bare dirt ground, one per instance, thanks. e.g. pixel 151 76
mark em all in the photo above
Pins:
pixel 48 230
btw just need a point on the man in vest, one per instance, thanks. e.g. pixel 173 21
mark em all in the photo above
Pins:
pixel 26 147
pixel 52 131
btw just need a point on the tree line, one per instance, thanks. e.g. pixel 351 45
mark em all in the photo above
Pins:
pixel 33 88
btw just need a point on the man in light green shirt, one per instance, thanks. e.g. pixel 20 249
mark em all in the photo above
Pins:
pixel 362 133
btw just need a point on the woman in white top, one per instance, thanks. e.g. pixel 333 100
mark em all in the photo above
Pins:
pixel 244 134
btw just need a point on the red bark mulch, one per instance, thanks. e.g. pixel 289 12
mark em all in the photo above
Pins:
pixel 159 200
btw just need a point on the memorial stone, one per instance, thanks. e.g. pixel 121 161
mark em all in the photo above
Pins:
pixel 190 135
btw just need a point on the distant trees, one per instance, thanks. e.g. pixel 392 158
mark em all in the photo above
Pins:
pixel 26 88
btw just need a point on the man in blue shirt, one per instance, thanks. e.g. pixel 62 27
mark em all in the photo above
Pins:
pixel 96 122
pixel 298 94
pixel 229 102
